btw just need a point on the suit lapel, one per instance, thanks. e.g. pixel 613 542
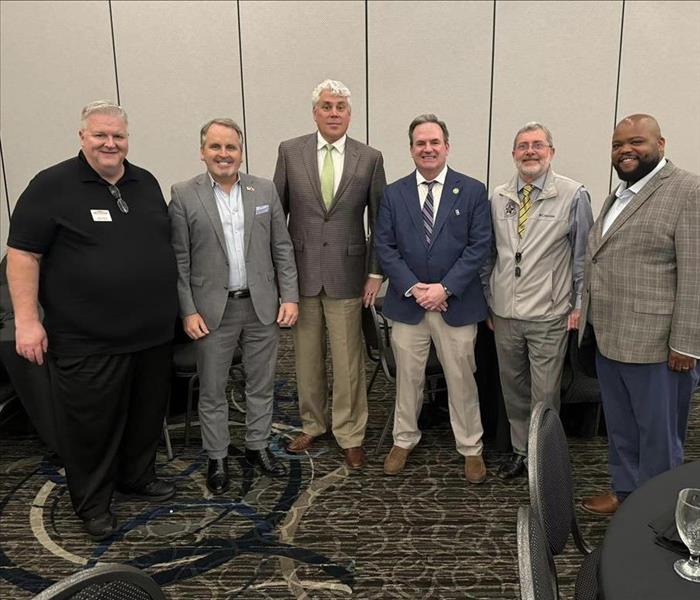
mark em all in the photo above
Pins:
pixel 310 158
pixel 248 200
pixel 350 161
pixel 448 198
pixel 205 192
pixel 409 192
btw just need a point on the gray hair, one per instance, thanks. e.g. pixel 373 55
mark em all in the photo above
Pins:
pixel 427 118
pixel 102 107
pixel 534 126
pixel 337 88
pixel 223 121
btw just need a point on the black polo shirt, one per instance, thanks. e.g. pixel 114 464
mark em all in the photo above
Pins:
pixel 107 279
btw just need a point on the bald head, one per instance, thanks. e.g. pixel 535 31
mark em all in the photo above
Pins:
pixel 637 147
pixel 646 121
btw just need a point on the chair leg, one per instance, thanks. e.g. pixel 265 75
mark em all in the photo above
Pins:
pixel 374 376
pixel 188 411
pixel 385 431
pixel 166 437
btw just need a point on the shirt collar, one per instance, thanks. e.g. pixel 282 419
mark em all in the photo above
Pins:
pixel 215 184
pixel 537 183
pixel 339 145
pixel 439 179
pixel 636 187
pixel 89 174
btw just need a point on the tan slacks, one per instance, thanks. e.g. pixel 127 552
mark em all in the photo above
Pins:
pixel 455 350
pixel 342 318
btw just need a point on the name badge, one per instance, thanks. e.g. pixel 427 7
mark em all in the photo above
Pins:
pixel 100 215
pixel 260 210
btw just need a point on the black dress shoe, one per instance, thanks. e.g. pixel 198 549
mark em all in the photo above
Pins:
pixel 157 490
pixel 513 467
pixel 266 461
pixel 100 527
pixel 217 475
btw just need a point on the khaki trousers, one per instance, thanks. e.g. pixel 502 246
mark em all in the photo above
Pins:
pixel 455 350
pixel 342 318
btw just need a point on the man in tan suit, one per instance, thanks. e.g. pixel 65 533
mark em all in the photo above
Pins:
pixel 325 181
pixel 641 294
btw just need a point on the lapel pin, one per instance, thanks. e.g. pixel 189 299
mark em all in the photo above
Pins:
pixel 249 188
pixel 455 191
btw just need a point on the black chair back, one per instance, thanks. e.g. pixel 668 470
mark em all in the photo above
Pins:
pixel 538 575
pixel 550 480
pixel 105 582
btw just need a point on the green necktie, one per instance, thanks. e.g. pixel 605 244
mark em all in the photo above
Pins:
pixel 525 207
pixel 327 176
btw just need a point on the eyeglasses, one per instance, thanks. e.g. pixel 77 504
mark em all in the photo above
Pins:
pixel 116 194
pixel 539 146
pixel 518 257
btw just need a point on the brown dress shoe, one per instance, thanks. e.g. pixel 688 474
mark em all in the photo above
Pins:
pixel 474 469
pixel 606 504
pixel 355 457
pixel 395 461
pixel 301 443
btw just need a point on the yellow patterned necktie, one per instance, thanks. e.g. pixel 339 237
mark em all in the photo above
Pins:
pixel 327 177
pixel 525 207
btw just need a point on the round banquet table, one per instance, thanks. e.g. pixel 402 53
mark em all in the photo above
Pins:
pixel 632 566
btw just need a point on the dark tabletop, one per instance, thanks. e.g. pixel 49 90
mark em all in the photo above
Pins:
pixel 632 566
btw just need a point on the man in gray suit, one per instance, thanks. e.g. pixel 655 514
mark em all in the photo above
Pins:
pixel 235 261
pixel 641 294
pixel 326 180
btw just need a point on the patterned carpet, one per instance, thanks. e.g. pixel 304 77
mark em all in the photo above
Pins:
pixel 322 532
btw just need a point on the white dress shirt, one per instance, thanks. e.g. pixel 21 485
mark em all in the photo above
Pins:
pixel 230 207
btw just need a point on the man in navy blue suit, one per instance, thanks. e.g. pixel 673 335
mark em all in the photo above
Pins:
pixel 432 237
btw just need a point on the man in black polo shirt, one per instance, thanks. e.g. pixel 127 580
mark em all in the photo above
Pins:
pixel 90 240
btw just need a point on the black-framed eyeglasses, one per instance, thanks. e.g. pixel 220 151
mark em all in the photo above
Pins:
pixel 117 195
pixel 518 258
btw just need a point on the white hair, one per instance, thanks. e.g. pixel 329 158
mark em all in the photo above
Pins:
pixel 102 107
pixel 337 88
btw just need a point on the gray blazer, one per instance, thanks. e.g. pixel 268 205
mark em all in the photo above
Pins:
pixel 330 246
pixel 642 278
pixel 200 249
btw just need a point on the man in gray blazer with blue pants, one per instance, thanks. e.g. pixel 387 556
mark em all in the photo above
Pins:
pixel 235 262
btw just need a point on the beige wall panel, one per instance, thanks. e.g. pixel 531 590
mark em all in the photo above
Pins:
pixel 430 57
pixel 289 47
pixel 55 57
pixel 178 66
pixel 556 62
pixel 661 73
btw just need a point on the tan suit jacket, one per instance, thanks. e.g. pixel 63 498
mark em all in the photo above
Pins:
pixel 330 246
pixel 642 278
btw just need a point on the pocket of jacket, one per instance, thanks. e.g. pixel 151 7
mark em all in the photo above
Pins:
pixel 653 307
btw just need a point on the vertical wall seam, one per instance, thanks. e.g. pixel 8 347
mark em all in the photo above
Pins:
pixel 114 50
pixel 617 85
pixel 240 63
pixel 493 69
pixel 367 72
pixel 4 181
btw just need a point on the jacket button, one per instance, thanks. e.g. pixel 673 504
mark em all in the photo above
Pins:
pixel 325 243
pixel 594 261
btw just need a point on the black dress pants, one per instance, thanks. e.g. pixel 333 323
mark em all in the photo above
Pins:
pixel 109 414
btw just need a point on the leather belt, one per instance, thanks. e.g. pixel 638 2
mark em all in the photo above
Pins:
pixel 239 294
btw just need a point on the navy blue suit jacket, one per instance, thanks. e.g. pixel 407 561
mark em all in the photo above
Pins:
pixel 460 245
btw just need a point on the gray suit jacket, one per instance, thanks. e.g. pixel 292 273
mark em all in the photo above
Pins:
pixel 331 249
pixel 200 249
pixel 642 278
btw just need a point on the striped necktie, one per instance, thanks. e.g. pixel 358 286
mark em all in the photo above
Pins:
pixel 428 217
pixel 327 177
pixel 525 207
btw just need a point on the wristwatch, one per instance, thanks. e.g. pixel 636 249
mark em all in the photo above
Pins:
pixel 448 293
